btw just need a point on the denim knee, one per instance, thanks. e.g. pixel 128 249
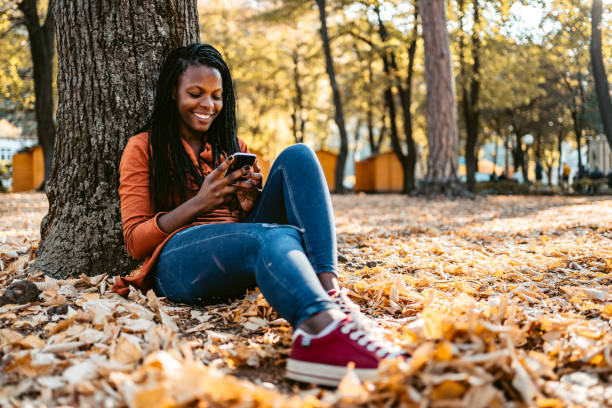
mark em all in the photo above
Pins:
pixel 298 152
pixel 276 239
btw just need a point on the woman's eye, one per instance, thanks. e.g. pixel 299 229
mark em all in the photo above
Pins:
pixel 193 95
pixel 217 97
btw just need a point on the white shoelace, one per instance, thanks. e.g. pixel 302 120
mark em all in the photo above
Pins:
pixel 350 308
pixel 375 344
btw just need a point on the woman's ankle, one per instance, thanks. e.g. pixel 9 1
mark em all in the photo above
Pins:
pixel 329 281
pixel 319 321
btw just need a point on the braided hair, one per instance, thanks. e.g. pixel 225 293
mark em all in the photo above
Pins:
pixel 169 172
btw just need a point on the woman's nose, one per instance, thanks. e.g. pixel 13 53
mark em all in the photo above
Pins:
pixel 206 102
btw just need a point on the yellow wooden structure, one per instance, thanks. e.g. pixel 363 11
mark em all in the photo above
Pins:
pixel 328 164
pixel 380 173
pixel 264 164
pixel 28 169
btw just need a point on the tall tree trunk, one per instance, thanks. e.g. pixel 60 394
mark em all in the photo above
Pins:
pixel 408 159
pixel 560 137
pixel 599 73
pixel 406 98
pixel 42 49
pixel 108 59
pixel 339 116
pixel 441 175
pixel 507 155
pixel 297 116
pixel 471 113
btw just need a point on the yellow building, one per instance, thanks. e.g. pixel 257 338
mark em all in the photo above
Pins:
pixel 328 164
pixel 264 164
pixel 28 169
pixel 380 173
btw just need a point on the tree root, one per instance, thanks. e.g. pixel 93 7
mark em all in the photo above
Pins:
pixel 448 189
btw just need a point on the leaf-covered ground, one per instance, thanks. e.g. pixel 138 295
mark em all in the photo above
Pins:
pixel 502 301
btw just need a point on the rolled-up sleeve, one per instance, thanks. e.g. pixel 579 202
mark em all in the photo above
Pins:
pixel 141 231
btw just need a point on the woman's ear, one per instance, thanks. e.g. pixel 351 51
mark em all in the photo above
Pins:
pixel 173 93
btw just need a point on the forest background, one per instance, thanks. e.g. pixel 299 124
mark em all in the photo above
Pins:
pixel 521 68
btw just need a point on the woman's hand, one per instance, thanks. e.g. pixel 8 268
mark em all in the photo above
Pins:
pixel 247 196
pixel 218 188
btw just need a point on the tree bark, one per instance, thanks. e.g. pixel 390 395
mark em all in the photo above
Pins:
pixel 339 115
pixel 602 87
pixel 42 49
pixel 471 113
pixel 109 54
pixel 442 140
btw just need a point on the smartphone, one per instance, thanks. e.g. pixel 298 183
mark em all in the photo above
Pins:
pixel 241 160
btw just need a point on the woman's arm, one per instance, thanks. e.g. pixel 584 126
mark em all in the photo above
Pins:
pixel 140 230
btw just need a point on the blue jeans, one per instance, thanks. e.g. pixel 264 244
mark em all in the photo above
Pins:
pixel 287 240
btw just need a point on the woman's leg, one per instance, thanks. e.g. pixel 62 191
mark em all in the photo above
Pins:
pixel 211 263
pixel 296 193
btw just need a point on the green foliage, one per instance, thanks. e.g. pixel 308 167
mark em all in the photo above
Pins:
pixel 16 83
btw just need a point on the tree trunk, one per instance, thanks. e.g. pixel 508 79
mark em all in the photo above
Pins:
pixel 602 87
pixel 507 156
pixel 297 116
pixel 339 116
pixel 108 59
pixel 406 98
pixel 42 49
pixel 408 159
pixel 560 137
pixel 470 97
pixel 441 175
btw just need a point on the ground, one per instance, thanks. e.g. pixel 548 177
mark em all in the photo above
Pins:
pixel 502 301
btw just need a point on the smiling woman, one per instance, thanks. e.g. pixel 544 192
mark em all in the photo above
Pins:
pixel 208 236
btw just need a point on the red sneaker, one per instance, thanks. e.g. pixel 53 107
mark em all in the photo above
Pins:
pixel 323 358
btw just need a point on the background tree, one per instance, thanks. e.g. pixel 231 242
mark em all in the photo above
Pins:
pixel 42 52
pixel 16 84
pixel 442 140
pixel 108 59
pixel 602 87
pixel 339 112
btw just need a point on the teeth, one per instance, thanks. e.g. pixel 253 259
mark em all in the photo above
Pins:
pixel 203 116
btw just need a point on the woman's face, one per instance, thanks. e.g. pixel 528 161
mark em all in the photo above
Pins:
pixel 199 99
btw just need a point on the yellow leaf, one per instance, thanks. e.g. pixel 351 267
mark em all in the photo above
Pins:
pixel 421 356
pixel 448 390
pixel 444 351
pixel 549 403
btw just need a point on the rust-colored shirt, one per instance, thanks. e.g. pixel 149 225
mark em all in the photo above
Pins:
pixel 143 237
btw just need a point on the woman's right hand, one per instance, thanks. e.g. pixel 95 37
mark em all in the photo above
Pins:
pixel 217 188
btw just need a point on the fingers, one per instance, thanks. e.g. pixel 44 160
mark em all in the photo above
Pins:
pixel 233 176
pixel 257 178
pixel 222 168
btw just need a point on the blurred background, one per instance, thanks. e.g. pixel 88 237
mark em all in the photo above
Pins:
pixel 525 89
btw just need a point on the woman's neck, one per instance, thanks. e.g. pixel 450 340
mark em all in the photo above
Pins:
pixel 193 139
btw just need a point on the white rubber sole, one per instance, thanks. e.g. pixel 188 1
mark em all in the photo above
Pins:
pixel 324 374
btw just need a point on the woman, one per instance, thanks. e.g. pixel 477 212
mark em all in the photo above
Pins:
pixel 208 236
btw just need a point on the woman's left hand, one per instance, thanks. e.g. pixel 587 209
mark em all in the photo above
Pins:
pixel 247 196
